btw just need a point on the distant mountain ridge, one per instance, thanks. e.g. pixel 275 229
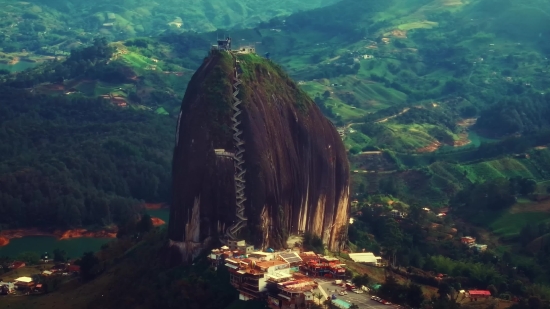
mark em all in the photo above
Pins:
pixel 196 15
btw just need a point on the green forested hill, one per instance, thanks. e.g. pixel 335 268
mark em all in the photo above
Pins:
pixel 76 161
pixel 58 25
pixel 407 78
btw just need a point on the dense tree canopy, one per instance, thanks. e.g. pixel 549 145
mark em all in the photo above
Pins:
pixel 516 115
pixel 78 161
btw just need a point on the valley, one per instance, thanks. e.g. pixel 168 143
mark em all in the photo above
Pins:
pixel 439 103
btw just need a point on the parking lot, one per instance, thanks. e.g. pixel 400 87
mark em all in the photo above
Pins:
pixel 362 300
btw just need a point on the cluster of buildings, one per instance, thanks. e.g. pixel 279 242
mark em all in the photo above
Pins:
pixel 33 284
pixel 471 243
pixel 7 288
pixel 21 283
pixel 282 278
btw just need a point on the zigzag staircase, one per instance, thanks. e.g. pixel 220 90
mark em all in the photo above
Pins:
pixel 240 182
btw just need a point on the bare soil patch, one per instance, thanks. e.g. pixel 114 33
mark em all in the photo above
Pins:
pixel 468 122
pixel 543 206
pixel 464 140
pixel 430 148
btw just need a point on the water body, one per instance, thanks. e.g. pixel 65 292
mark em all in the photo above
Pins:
pixel 163 214
pixel 74 247
pixel 18 67
pixel 477 140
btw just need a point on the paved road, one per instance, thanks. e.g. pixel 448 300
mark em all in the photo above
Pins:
pixel 362 300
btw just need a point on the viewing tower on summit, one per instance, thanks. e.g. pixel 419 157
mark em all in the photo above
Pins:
pixel 224 44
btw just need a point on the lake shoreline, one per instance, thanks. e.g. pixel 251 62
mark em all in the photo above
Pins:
pixel 7 235
pixel 156 206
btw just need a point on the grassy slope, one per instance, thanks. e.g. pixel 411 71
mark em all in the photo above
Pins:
pixel 369 96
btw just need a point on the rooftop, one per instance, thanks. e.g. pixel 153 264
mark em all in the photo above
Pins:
pixel 364 257
pixel 267 264
pixel 297 285
pixel 24 279
pixel 479 293
pixel 290 257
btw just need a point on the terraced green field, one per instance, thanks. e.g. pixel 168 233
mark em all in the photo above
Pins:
pixel 508 224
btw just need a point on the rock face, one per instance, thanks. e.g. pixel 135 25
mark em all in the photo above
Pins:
pixel 297 173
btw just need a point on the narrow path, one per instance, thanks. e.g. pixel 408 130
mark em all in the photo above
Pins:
pixel 393 116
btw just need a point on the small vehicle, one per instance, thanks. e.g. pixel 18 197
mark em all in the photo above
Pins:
pixel 386 302
pixel 338 282
pixel 373 297
pixel 341 293
pixel 358 291
pixel 333 296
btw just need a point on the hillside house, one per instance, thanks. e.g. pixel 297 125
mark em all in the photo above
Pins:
pixel 23 283
pixel 235 244
pixel 479 247
pixel 16 265
pixel 247 50
pixel 7 288
pixel 74 269
pixel 468 240
pixel 475 294
pixel 398 214
pixel 249 276
pixel 366 257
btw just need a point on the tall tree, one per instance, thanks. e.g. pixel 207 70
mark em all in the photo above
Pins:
pixel 415 296
pixel 59 255
pixel 89 266
pixel 145 224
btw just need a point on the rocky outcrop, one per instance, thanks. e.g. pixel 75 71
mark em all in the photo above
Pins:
pixel 297 174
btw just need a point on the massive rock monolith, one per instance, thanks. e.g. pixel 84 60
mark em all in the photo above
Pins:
pixel 297 173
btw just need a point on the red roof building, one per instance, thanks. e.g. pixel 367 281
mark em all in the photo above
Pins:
pixel 17 264
pixel 478 293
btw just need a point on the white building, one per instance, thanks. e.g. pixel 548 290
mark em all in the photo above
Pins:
pixel 366 257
